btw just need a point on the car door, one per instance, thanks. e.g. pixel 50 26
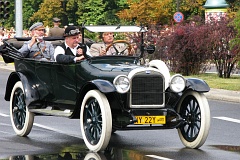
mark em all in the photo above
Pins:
pixel 64 83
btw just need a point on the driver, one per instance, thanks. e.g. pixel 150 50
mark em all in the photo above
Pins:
pixel 99 49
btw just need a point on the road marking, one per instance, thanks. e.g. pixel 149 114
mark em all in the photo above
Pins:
pixel 158 157
pixel 228 119
pixel 4 115
pixel 56 130
pixel 6 133
pixel 45 127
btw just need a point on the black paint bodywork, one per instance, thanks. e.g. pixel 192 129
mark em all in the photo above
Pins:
pixel 63 86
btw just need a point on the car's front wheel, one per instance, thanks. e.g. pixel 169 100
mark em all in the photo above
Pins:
pixel 96 120
pixel 21 118
pixel 194 109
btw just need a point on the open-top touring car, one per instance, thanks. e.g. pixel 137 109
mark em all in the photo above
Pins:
pixel 107 93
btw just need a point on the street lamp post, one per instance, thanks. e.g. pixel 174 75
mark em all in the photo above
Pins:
pixel 18 18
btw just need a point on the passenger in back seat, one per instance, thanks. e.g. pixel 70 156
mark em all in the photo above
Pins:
pixel 70 51
pixel 37 48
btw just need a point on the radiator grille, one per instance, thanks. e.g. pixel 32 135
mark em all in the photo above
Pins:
pixel 147 89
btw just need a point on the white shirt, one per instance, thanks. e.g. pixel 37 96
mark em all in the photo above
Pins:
pixel 60 50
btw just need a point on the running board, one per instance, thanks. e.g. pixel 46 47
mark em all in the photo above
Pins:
pixel 51 112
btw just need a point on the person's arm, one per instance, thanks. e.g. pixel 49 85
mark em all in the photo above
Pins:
pixel 95 49
pixel 126 51
pixel 51 51
pixel 60 57
pixel 24 50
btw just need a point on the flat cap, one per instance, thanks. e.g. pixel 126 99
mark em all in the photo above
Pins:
pixel 55 19
pixel 36 25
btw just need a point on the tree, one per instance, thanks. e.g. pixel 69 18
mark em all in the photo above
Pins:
pixel 29 8
pixel 147 12
pixel 185 48
pixel 233 7
pixel 92 12
pixel 70 8
pixel 235 43
pixel 48 9
pixel 159 11
pixel 218 42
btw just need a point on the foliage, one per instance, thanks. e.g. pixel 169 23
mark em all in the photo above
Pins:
pixel 146 12
pixel 92 12
pixel 29 8
pixel 108 11
pixel 186 49
pixel 234 6
pixel 235 43
pixel 191 46
pixel 220 36
pixel 70 8
pixel 45 14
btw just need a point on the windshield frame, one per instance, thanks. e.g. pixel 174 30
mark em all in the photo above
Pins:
pixel 114 28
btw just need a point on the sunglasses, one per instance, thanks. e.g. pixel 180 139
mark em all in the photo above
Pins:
pixel 72 32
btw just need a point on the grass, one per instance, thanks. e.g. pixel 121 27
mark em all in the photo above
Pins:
pixel 212 79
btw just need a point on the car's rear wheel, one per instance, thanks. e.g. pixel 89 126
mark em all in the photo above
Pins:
pixel 21 118
pixel 96 121
pixel 194 109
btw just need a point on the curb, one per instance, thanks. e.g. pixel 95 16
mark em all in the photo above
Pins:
pixel 223 95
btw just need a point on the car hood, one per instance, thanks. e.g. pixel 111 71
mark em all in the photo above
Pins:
pixel 116 67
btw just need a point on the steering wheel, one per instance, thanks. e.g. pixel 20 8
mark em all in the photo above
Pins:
pixel 129 47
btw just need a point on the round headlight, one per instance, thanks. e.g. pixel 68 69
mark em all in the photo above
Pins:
pixel 122 84
pixel 177 83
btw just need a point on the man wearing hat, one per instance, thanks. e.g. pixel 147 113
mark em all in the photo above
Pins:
pixel 56 31
pixel 69 51
pixel 37 48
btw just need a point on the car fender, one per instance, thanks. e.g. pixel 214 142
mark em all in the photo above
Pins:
pixel 197 85
pixel 30 89
pixel 104 86
pixel 162 67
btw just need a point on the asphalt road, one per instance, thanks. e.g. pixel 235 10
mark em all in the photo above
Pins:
pixel 55 137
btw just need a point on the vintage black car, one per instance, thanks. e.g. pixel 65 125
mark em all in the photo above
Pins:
pixel 107 93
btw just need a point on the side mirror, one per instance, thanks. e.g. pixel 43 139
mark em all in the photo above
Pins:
pixel 150 49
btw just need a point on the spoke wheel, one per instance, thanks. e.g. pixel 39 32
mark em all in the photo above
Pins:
pixel 96 121
pixel 194 109
pixel 21 118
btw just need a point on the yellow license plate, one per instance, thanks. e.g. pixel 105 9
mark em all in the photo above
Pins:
pixel 150 120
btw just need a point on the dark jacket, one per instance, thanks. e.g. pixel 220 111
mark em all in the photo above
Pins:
pixel 68 57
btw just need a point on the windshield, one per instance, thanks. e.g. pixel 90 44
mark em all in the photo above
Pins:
pixel 114 40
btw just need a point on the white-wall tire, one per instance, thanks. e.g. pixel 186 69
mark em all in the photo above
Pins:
pixel 194 108
pixel 21 118
pixel 96 121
